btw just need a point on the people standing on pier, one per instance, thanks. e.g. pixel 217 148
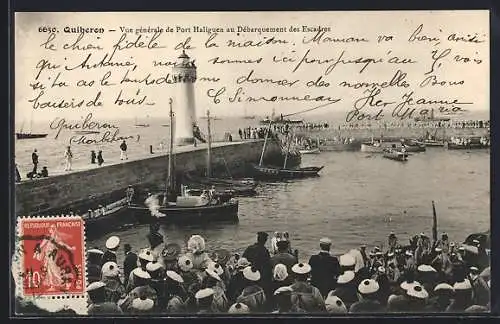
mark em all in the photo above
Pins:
pixel 100 159
pixel 68 157
pixel 93 157
pixel 123 151
pixel 34 159
pixel 130 262
pixel 112 245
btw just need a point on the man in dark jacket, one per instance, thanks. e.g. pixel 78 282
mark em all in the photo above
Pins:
pixel 325 268
pixel 283 256
pixel 259 257
pixel 130 262
pixel 34 158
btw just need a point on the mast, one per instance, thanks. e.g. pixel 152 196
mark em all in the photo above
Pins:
pixel 287 149
pixel 170 175
pixel 209 149
pixel 434 223
pixel 265 143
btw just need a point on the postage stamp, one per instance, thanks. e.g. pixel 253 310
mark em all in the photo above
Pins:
pixel 50 261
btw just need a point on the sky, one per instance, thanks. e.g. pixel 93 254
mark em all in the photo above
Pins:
pixel 32 51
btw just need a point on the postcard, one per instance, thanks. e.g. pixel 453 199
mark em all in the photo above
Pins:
pixel 180 163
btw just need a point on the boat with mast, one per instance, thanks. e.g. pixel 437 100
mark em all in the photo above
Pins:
pixel 176 205
pixel 29 135
pixel 262 172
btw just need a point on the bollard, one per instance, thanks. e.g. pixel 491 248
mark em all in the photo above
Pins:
pixel 151 149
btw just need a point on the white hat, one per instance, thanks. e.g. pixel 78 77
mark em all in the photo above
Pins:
pixel 280 272
pixel 346 277
pixel 438 249
pixel 461 248
pixel 390 254
pixel 196 244
pixel 138 272
pixel 251 274
pixel 426 268
pixel 462 285
pixel 215 267
pixel 405 285
pixel 110 269
pixel 95 285
pixel 368 286
pixel 174 276
pixel 301 268
pixel 379 253
pixel 212 274
pixel 238 308
pixel 417 291
pixel 185 263
pixel 347 260
pixel 474 269
pixel 146 255
pixel 142 304
pixel 381 269
pixel 443 286
pixel 204 293
pixel 153 266
pixel 112 242
pixel 335 305
pixel 95 251
pixel 408 253
pixel 325 240
pixel 281 290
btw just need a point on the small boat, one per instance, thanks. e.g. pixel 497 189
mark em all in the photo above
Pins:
pixel 314 150
pixel 21 136
pixel 276 173
pixel 372 147
pixel 433 143
pixel 165 125
pixel 413 146
pixel 394 154
pixel 185 208
pixel 236 187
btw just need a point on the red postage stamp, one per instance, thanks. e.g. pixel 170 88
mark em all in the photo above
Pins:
pixel 52 256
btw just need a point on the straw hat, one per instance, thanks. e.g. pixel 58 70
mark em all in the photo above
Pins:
pixel 251 274
pixel 462 285
pixel 283 290
pixel 238 308
pixel 215 267
pixel 95 285
pixel 204 293
pixel 95 252
pixel 368 286
pixel 417 291
pixel 174 276
pixel 443 287
pixel 346 277
pixel 110 270
pixel 113 242
pixel 405 285
pixel 325 240
pixel 335 305
pixel 138 272
pixel 185 263
pixel 140 304
pixel 346 260
pixel 438 249
pixel 146 255
pixel 426 268
pixel 212 274
pixel 301 268
pixel 153 266
pixel 280 272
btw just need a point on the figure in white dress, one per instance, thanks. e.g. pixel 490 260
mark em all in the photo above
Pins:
pixel 47 253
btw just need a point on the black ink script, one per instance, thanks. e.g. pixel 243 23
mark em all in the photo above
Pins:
pixel 86 125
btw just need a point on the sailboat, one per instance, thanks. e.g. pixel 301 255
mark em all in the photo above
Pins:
pixel 136 124
pixel 30 134
pixel 170 207
pixel 262 172
pixel 233 187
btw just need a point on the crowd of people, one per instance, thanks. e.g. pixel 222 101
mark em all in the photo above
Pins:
pixel 422 276
pixel 416 124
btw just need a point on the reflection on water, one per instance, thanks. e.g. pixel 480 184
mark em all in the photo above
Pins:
pixel 358 198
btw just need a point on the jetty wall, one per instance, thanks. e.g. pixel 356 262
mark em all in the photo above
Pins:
pixel 46 194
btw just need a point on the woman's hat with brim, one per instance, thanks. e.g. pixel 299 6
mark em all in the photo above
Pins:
pixel 426 268
pixel 405 285
pixel 185 263
pixel 113 242
pixel 153 266
pixel 239 308
pixel 95 285
pixel 368 286
pixel 110 270
pixel 204 293
pixel 346 277
pixel 417 291
pixel 252 274
pixel 146 255
pixel 212 274
pixel 171 251
pixel 283 290
pixel 335 305
pixel 139 273
pixel 347 260
pixel 174 276
pixel 301 268
pixel 140 304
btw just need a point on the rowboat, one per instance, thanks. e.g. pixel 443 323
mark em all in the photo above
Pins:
pixel 310 151
pixel 276 173
pixel 414 146
pixel 396 155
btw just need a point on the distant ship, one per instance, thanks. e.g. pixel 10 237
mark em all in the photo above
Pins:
pixel 29 135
